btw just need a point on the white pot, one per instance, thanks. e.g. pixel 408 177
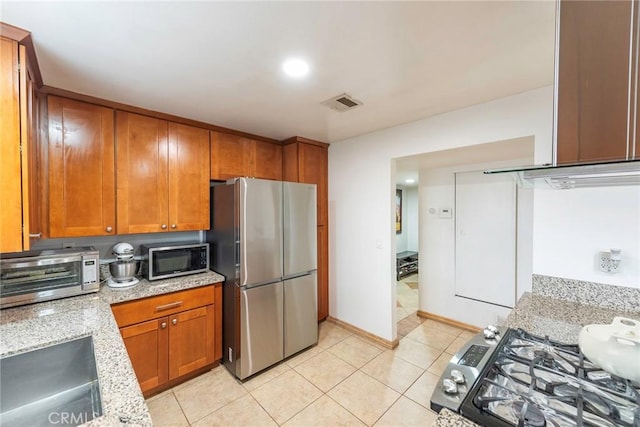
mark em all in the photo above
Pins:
pixel 615 347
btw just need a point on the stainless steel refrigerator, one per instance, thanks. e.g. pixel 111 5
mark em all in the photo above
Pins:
pixel 263 240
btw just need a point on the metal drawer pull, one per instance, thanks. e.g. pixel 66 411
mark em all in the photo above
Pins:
pixel 169 306
pixel 174 321
pixel 163 325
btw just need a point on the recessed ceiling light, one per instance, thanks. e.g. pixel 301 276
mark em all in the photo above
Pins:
pixel 409 181
pixel 295 68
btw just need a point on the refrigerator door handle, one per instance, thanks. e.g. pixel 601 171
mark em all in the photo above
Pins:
pixel 243 234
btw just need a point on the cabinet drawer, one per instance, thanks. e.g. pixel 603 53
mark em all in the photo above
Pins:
pixel 128 313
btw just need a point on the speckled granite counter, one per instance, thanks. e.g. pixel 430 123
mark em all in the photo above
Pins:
pixel 40 325
pixel 560 319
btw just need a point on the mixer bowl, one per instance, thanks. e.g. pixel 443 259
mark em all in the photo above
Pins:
pixel 123 271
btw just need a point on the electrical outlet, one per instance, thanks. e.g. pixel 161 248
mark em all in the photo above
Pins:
pixel 66 245
pixel 607 264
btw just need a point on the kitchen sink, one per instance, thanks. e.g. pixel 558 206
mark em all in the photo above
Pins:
pixel 55 385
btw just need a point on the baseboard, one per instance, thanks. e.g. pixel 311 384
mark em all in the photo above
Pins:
pixel 364 334
pixel 448 321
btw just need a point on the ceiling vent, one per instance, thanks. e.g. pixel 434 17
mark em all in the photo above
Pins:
pixel 342 102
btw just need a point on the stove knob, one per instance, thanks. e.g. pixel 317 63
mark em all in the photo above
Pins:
pixel 457 376
pixel 489 334
pixel 449 386
pixel 493 329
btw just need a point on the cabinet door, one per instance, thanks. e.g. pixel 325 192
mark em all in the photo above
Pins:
pixel 188 178
pixel 142 174
pixel 593 81
pixel 230 156
pixel 10 185
pixel 81 169
pixel 191 340
pixel 313 170
pixel 147 345
pixel 267 160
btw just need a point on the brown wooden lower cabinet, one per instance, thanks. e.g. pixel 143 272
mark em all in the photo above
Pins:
pixel 175 344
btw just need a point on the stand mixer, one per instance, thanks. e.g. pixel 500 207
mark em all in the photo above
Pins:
pixel 124 268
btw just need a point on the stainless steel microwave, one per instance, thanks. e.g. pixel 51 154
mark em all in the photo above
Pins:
pixel 34 276
pixel 162 260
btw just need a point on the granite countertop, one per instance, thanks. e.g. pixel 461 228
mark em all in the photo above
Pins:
pixel 559 318
pixel 52 322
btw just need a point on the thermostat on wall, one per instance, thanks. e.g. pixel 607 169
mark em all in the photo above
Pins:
pixel 444 212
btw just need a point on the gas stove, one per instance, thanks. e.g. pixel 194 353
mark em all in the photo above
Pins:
pixel 508 377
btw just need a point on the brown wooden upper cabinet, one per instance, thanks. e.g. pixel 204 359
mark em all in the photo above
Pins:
pixel 233 156
pixel 162 175
pixel 81 169
pixel 19 208
pixel 305 160
pixel 597 82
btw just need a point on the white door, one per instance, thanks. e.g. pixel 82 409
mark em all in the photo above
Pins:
pixel 486 238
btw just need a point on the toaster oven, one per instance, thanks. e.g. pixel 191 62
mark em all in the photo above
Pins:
pixel 35 276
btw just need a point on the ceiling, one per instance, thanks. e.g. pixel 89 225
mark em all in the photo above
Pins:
pixel 219 62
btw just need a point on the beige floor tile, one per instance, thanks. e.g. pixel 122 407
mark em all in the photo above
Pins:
pixel 165 411
pixel 286 395
pixel 303 356
pixel 421 391
pixel 324 412
pixel 417 353
pixel 467 334
pixel 330 334
pixel 407 325
pixel 364 397
pixel 266 376
pixel 242 412
pixel 355 351
pixel 196 379
pixel 401 313
pixel 325 370
pixel 431 337
pixel 456 345
pixel 407 413
pixel 213 391
pixel 443 327
pixel 438 366
pixel 159 395
pixel 392 371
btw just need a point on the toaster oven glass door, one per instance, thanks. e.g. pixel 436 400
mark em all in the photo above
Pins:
pixel 40 278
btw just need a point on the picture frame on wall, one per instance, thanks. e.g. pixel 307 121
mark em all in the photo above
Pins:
pixel 398 211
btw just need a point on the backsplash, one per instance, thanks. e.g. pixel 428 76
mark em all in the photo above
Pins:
pixel 104 244
pixel 608 296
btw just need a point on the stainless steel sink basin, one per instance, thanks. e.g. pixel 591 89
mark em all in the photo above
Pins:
pixel 55 385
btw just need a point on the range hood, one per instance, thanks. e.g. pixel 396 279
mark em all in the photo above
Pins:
pixel 576 176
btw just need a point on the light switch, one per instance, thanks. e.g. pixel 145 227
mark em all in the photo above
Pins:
pixel 445 212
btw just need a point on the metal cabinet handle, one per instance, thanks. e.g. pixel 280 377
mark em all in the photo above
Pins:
pixel 173 226
pixel 163 226
pixel 109 229
pixel 163 325
pixel 36 235
pixel 169 306
pixel 174 321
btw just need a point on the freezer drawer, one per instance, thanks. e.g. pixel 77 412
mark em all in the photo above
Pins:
pixel 261 328
pixel 300 313
pixel 300 228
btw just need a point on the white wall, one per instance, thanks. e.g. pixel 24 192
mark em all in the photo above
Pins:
pixel 413 230
pixel 437 237
pixel 362 196
pixel 572 226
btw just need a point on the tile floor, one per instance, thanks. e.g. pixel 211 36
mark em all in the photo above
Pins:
pixel 345 380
